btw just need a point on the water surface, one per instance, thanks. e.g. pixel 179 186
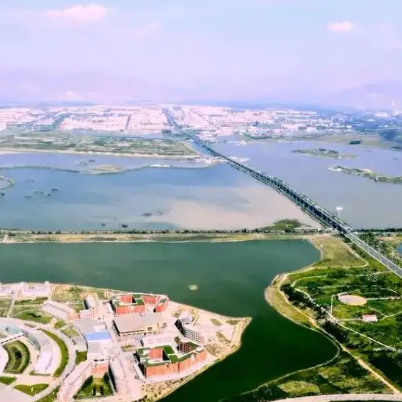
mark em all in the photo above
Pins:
pixel 231 278
pixel 366 203
pixel 217 197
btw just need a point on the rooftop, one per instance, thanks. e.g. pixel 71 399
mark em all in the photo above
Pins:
pixel 137 321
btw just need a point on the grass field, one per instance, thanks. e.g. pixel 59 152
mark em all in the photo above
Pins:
pixel 63 353
pixel 95 387
pixel 31 313
pixel 342 375
pixel 31 389
pixel 7 380
pixel 18 357
pixel 314 292
pixel 80 357
pixel 70 332
pixel 4 305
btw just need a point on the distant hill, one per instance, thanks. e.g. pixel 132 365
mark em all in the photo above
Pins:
pixel 378 95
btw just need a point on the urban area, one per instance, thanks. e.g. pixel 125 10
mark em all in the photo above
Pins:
pixel 72 342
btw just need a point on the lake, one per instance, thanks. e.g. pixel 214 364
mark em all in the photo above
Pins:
pixel 188 196
pixel 366 203
pixel 231 278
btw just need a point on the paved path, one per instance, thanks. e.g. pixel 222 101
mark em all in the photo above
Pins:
pixel 345 397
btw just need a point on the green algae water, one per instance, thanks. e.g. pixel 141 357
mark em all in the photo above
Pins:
pixel 231 279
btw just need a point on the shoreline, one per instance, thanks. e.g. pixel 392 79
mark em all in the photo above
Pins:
pixel 195 155
pixel 118 169
pixel 278 300
pixel 25 237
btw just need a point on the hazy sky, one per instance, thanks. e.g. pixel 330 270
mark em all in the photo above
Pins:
pixel 195 49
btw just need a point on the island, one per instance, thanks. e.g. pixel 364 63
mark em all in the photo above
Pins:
pixel 67 341
pixel 327 153
pixel 367 173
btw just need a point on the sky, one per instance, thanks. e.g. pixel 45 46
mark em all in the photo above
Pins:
pixel 178 50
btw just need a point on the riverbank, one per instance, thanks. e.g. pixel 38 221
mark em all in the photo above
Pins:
pixel 308 297
pixel 367 173
pixel 8 181
pixel 13 237
pixel 113 169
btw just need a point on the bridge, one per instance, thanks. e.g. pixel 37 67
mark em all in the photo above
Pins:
pixel 310 207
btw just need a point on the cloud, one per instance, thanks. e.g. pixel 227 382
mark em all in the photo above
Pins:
pixel 146 31
pixel 340 27
pixel 79 13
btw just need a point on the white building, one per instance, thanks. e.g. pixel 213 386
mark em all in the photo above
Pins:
pixel 72 384
pixel 59 310
pixel 33 290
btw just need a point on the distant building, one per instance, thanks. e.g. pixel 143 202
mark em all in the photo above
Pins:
pixel 369 318
pixel 60 310
pixel 140 323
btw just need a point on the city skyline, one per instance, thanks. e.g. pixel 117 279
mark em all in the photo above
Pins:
pixel 257 49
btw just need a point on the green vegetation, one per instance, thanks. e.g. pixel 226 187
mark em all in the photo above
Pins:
pixel 70 332
pixel 343 375
pixel 96 144
pixel 59 324
pixel 31 389
pixel 37 301
pixel 7 380
pixel 80 357
pixel 286 225
pixel 216 322
pixel 95 387
pixel 232 322
pixel 368 174
pixel 328 153
pixel 63 352
pixel 4 306
pixel 51 397
pixel 314 292
pixel 18 357
pixel 30 314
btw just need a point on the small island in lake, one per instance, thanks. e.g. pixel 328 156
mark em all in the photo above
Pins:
pixel 369 174
pixel 328 153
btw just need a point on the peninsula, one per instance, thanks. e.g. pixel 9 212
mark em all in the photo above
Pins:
pixel 327 153
pixel 66 341
pixel 355 302
pixel 367 173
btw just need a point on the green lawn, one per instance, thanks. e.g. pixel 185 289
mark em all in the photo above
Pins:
pixel 18 357
pixel 80 357
pixel 70 332
pixel 95 387
pixel 31 389
pixel 7 380
pixel 63 351
pixel 51 397
pixel 28 313
pixel 59 324
pixel 342 375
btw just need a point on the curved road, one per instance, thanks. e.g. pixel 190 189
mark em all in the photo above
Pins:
pixel 345 397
